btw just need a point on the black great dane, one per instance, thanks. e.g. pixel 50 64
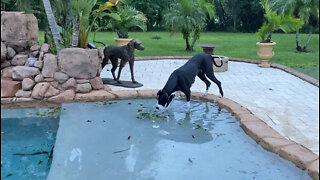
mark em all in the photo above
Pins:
pixel 182 79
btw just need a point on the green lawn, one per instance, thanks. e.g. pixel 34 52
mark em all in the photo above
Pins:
pixel 242 45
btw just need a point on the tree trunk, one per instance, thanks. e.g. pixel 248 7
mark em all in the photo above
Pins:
pixel 188 48
pixel 75 33
pixel 298 46
pixel 234 22
pixel 52 24
pixel 304 48
pixel 195 38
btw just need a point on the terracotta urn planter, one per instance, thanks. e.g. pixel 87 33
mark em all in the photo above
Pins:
pixel 265 53
pixel 121 41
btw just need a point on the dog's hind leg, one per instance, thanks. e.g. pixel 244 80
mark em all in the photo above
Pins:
pixel 122 63
pixel 114 62
pixel 209 73
pixel 202 76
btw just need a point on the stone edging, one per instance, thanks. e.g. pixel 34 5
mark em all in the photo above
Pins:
pixel 263 134
pixel 287 69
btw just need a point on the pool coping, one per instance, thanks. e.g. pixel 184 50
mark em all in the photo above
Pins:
pixel 257 129
pixel 287 69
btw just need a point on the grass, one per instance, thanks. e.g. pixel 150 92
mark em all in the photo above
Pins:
pixel 242 45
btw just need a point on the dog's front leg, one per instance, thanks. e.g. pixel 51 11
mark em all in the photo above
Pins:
pixel 131 63
pixel 188 95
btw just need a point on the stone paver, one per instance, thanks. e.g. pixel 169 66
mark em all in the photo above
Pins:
pixel 286 103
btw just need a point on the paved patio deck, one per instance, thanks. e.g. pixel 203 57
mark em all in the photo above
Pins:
pixel 286 103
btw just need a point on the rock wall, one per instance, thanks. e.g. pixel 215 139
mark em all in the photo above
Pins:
pixel 29 70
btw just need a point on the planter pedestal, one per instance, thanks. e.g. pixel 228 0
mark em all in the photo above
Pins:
pixel 264 63
pixel 265 53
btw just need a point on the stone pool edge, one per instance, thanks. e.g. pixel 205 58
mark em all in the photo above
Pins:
pixel 287 69
pixel 257 129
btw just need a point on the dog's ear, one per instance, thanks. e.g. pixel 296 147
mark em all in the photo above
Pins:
pixel 170 99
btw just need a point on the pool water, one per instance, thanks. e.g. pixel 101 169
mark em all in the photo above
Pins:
pixel 127 139
pixel 27 141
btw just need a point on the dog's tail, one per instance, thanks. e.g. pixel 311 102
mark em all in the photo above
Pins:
pixel 100 43
pixel 214 62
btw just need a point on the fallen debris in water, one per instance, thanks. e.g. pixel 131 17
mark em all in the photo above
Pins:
pixel 30 154
pixel 121 151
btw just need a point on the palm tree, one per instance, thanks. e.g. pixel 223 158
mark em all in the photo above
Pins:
pixel 189 17
pixel 52 24
pixel 307 10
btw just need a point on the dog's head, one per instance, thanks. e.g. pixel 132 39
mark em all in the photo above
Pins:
pixel 163 99
pixel 135 44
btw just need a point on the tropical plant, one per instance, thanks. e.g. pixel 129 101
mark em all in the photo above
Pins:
pixel 127 18
pixel 83 10
pixel 189 17
pixel 275 22
pixel 307 10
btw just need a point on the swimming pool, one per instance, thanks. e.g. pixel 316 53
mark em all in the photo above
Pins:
pixel 126 139
pixel 27 141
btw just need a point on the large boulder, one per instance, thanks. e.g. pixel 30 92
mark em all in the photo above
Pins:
pixel 10 53
pixel 7 72
pixel 79 63
pixel 21 72
pixel 19 60
pixel 60 77
pixel 65 96
pixel 96 83
pixel 40 90
pixel 9 87
pixel 50 65
pixel 28 84
pixel 19 30
pixel 3 52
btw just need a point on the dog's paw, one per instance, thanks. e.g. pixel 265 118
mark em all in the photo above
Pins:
pixel 205 93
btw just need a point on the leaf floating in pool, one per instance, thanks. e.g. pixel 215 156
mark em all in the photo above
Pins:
pixel 89 121
pixel 139 110
pixel 103 121
pixel 30 113
pixel 199 126
pixel 179 123
pixel 141 104
pixel 129 103
pixel 129 137
pixel 244 172
pixel 190 160
pixel 192 136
